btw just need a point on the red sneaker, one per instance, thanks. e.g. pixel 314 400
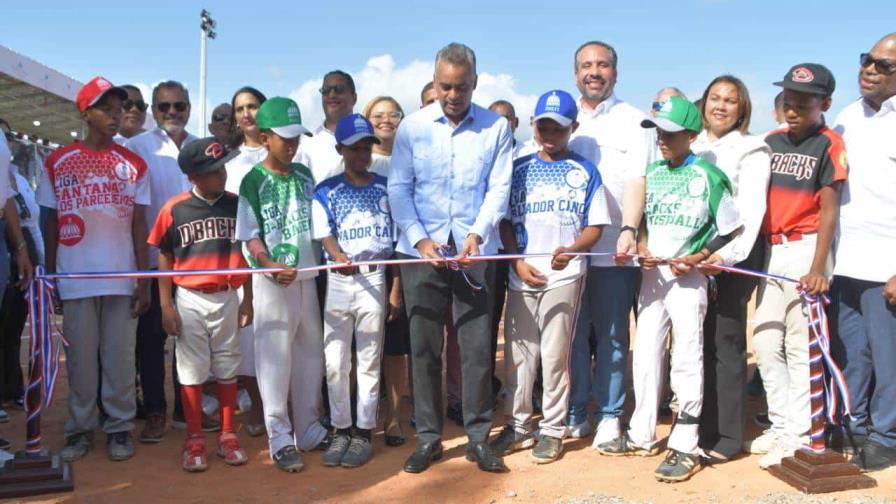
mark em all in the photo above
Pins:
pixel 229 449
pixel 194 454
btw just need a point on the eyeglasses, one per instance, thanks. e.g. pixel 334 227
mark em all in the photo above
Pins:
pixel 129 104
pixel 657 106
pixel 216 118
pixel 383 116
pixel 336 88
pixel 164 107
pixel 883 66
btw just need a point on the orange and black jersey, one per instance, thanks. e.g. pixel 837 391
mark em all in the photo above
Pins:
pixel 200 235
pixel 798 173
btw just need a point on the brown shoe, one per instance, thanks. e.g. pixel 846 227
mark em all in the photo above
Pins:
pixel 153 429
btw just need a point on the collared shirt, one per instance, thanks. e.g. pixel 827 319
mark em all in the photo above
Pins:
pixel 450 181
pixel 319 154
pixel 745 160
pixel 866 236
pixel 165 176
pixel 611 137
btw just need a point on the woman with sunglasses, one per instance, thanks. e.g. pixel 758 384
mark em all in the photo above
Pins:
pixel 245 136
pixel 384 113
pixel 745 159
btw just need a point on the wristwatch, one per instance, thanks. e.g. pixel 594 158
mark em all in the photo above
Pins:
pixel 629 228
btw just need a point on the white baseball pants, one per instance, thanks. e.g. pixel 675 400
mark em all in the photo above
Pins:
pixel 208 340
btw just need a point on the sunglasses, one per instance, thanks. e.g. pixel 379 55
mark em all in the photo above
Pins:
pixel 129 104
pixel 216 118
pixel 883 66
pixel 164 107
pixel 657 106
pixel 337 88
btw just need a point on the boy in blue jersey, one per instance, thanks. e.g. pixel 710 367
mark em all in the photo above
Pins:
pixel 557 205
pixel 352 220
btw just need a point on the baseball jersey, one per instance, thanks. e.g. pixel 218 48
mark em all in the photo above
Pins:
pixel 357 216
pixel 94 193
pixel 799 171
pixel 200 235
pixel 550 203
pixel 276 209
pixel 687 206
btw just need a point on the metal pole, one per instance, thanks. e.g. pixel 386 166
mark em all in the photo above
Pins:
pixel 203 120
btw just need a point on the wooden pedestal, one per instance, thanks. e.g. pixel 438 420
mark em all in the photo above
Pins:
pixel 34 475
pixel 823 472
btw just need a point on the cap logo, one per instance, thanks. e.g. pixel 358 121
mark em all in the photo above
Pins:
pixel 293 113
pixel 214 150
pixel 361 125
pixel 103 83
pixel 552 103
pixel 667 106
pixel 802 74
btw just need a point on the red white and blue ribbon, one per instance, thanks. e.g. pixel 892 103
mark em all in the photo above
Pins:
pixel 834 383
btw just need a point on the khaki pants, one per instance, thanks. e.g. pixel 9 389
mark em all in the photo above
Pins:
pixel 539 328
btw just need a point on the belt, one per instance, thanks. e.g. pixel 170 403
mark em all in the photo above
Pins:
pixel 778 239
pixel 367 268
pixel 212 289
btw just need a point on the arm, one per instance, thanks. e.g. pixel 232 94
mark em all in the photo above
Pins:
pixel 632 211
pixel 246 310
pixel 752 190
pixel 645 258
pixel 586 240
pixel 816 281
pixel 141 253
pixel 14 230
pixel 396 301
pixel 170 318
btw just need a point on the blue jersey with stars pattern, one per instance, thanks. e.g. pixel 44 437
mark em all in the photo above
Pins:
pixel 550 203
pixel 357 216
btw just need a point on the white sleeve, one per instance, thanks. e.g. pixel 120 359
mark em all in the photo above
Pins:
pixel 642 142
pixel 752 191
pixel 247 226
pixel 320 222
pixel 727 216
pixel 46 193
pixel 598 211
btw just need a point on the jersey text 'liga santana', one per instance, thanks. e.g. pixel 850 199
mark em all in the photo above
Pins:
pixel 550 203
pixel 687 206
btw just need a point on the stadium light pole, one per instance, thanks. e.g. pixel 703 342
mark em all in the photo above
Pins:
pixel 207 32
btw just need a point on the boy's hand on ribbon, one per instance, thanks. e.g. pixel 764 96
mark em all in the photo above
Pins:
pixel 560 261
pixel 529 274
pixel 814 283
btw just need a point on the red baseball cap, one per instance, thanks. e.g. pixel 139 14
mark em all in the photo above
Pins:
pixel 94 90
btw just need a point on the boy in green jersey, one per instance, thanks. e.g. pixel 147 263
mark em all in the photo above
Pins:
pixel 274 223
pixel 689 213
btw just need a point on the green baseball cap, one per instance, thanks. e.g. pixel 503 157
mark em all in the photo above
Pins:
pixel 677 114
pixel 281 115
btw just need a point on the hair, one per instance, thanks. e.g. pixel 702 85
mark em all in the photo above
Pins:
pixel 673 90
pixel 429 85
pixel 372 103
pixel 339 73
pixel 614 58
pixel 503 103
pixel 744 105
pixel 4 122
pixel 457 54
pixel 170 84
pixel 236 136
pixel 131 87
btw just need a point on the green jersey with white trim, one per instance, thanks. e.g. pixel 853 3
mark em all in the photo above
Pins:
pixel 687 206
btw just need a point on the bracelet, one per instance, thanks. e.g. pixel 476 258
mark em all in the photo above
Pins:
pixel 628 228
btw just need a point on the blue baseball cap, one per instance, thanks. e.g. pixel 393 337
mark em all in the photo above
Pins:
pixel 557 105
pixel 353 128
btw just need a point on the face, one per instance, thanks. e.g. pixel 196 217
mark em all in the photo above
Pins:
pixel 337 98
pixel 104 117
pixel 507 113
pixel 722 109
pixel 661 98
pixel 675 145
pixel 429 97
pixel 171 110
pixel 876 85
pixel 595 73
pixel 281 149
pixel 220 125
pixel 553 137
pixel 803 111
pixel 357 156
pixel 454 85
pixel 385 117
pixel 133 117
pixel 245 106
pixel 211 184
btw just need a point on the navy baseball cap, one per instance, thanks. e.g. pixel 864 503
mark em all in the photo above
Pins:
pixel 557 105
pixel 809 78
pixel 204 155
pixel 353 128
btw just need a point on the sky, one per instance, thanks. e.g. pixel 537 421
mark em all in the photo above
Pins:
pixel 524 48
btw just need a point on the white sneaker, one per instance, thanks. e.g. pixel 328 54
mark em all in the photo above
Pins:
pixel 607 430
pixel 776 454
pixel 580 430
pixel 763 444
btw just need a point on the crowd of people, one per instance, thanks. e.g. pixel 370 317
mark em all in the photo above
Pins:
pixel 606 212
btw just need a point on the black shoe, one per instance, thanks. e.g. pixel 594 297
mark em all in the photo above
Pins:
pixel 509 441
pixel 874 457
pixel 288 459
pixel 485 457
pixel 394 440
pixel 454 412
pixel 762 420
pixel 423 456
pixel 847 444
pixel 678 467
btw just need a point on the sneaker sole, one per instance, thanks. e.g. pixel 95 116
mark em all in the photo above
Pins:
pixel 291 468
pixel 637 453
pixel 351 466
pixel 233 462
pixel 525 445
pixel 540 460
pixel 151 440
pixel 676 479
pixel 194 469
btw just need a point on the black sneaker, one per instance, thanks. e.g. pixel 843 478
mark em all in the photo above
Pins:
pixel 874 457
pixel 624 447
pixel 358 453
pixel 547 450
pixel 120 446
pixel 324 444
pixel 288 459
pixel 678 467
pixel 509 441
pixel 334 453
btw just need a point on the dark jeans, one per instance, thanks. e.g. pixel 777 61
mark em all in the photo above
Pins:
pixel 725 359
pixel 13 314
pixel 427 293
pixel 863 334
pixel 502 272
pixel 151 358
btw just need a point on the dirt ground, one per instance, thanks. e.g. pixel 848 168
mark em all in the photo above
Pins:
pixel 582 475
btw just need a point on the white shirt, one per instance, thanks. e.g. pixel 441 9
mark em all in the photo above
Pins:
pixel 238 167
pixel 523 149
pixel 165 176
pixel 866 235
pixel 319 154
pixel 612 138
pixel 745 160
pixel 379 164
pixel 32 221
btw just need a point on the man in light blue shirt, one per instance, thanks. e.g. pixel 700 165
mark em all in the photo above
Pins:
pixel 449 183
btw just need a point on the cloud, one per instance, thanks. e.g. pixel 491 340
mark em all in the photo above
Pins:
pixel 382 76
